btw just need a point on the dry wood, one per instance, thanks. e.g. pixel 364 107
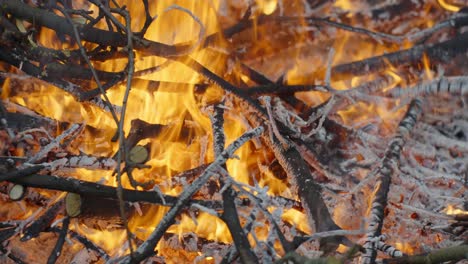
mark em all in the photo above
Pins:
pixel 454 254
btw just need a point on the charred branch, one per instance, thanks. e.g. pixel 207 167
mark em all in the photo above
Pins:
pixel 94 189
pixel 83 240
pixel 384 178
pixel 308 190
pixel 92 207
pixel 230 215
pixel 146 249
pixel 60 25
pixel 442 52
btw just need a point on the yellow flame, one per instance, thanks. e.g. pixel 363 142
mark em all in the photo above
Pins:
pixel 451 210
pixel 448 7
pixel 427 67
pixel 342 249
pixel 267 6
pixel 299 219
pixel 405 247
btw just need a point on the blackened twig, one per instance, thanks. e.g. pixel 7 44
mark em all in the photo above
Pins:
pixel 86 242
pixel 285 89
pixel 60 241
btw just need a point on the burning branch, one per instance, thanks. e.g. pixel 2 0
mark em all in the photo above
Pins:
pixel 384 177
pixel 442 51
pixel 146 249
pixel 230 215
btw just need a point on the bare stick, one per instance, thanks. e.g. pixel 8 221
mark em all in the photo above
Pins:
pixel 122 149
